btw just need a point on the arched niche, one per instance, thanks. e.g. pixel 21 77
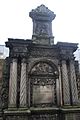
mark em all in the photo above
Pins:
pixel 42 77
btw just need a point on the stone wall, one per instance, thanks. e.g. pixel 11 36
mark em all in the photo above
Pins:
pixel 1 73
pixel 1 69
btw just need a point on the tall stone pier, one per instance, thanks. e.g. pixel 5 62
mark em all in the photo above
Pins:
pixel 41 77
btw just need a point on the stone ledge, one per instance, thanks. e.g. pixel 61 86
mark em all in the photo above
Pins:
pixel 70 110
pixel 16 112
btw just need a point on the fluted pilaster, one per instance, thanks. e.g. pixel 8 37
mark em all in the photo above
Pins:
pixel 66 91
pixel 23 91
pixel 73 83
pixel 13 83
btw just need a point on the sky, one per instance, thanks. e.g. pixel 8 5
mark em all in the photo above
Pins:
pixel 16 23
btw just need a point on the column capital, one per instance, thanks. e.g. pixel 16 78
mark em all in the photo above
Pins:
pixel 23 60
pixel 14 60
pixel 64 61
pixel 72 61
pixel 66 56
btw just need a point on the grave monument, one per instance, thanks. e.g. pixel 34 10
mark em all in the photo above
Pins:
pixel 40 77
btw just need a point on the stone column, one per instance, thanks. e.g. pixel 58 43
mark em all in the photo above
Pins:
pixel 66 91
pixel 23 90
pixel 13 83
pixel 73 83
pixel 60 87
pixel 57 91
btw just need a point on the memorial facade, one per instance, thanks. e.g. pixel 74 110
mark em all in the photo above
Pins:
pixel 41 77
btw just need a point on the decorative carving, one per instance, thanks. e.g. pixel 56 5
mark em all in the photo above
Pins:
pixel 42 11
pixel 43 68
pixel 66 50
pixel 18 51
pixel 41 52
pixel 42 24
pixel 42 29
pixel 43 81
pixel 5 84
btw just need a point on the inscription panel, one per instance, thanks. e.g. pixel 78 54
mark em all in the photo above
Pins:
pixel 43 94
pixel 43 91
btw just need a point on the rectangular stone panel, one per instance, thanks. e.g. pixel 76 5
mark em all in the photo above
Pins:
pixel 43 94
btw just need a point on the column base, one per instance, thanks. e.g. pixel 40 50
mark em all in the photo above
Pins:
pixel 11 106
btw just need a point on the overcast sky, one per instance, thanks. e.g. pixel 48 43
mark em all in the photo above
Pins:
pixel 16 23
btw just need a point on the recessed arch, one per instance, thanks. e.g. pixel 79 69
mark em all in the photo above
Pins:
pixel 42 79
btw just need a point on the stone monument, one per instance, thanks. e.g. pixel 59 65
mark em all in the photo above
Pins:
pixel 40 79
